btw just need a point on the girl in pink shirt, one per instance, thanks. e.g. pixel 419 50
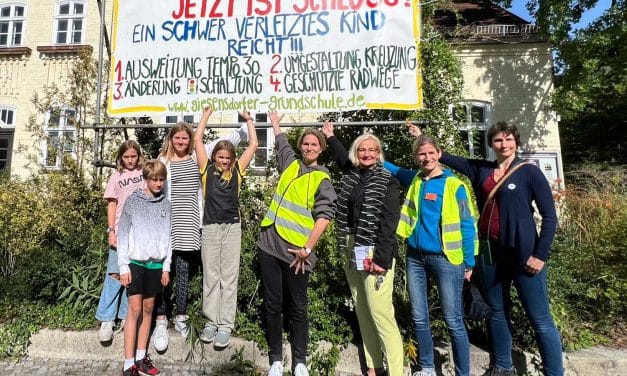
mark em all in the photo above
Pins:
pixel 126 179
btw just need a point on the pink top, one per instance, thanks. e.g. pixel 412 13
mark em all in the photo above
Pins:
pixel 120 186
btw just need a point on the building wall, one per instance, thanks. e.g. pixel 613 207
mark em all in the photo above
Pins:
pixel 517 80
pixel 23 76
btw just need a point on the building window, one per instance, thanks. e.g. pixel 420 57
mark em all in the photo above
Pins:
pixel 12 17
pixel 70 22
pixel 60 136
pixel 474 118
pixel 265 137
pixel 7 117
pixel 7 125
pixel 173 119
pixel 6 148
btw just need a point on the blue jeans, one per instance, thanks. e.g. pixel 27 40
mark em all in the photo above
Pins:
pixel 449 280
pixel 533 293
pixel 113 294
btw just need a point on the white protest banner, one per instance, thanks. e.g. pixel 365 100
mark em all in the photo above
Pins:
pixel 173 56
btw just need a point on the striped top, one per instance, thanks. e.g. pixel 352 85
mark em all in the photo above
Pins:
pixel 185 180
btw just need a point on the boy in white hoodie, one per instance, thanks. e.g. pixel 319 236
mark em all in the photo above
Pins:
pixel 144 257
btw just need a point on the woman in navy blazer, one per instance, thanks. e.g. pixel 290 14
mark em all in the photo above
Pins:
pixel 514 253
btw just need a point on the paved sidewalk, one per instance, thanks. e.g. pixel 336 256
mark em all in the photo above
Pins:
pixel 76 367
pixel 57 353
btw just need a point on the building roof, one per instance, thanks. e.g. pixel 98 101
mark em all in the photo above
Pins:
pixel 480 21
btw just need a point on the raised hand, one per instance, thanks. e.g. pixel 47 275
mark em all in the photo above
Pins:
pixel 275 117
pixel 413 129
pixel 327 129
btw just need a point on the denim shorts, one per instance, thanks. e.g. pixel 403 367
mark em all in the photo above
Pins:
pixel 112 262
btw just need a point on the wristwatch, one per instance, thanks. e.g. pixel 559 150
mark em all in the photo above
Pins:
pixel 307 251
pixel 109 229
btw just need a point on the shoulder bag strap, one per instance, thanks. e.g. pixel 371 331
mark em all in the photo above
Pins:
pixel 499 183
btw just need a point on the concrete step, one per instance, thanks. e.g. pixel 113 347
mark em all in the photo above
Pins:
pixel 84 345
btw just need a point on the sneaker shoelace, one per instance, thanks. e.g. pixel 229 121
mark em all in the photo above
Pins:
pixel 161 330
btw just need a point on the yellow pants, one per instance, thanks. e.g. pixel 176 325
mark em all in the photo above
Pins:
pixel 375 313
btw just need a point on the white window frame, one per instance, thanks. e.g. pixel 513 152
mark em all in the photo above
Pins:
pixel 70 18
pixel 63 127
pixel 12 22
pixel 265 152
pixel 4 116
pixel 473 127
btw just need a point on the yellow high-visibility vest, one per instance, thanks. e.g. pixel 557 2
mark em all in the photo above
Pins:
pixel 292 204
pixel 450 220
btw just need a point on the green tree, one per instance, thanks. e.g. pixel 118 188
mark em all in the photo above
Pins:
pixel 591 90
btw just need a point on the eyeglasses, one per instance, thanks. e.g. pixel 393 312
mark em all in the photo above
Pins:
pixel 364 150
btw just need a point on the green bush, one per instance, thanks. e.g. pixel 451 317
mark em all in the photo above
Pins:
pixel 48 224
pixel 587 277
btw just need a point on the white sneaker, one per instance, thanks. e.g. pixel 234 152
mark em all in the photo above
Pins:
pixel 180 325
pixel 105 334
pixel 120 327
pixel 276 369
pixel 160 335
pixel 425 372
pixel 301 370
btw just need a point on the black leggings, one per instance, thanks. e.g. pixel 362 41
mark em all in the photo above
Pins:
pixel 184 266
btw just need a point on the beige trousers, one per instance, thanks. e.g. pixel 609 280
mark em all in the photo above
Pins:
pixel 221 246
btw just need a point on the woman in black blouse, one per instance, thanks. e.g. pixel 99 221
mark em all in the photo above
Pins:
pixel 366 219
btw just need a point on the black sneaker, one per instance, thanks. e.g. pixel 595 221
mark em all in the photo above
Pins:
pixel 133 371
pixel 494 371
pixel 145 367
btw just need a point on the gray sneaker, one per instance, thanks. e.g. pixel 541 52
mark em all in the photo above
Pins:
pixel 208 333
pixel 223 338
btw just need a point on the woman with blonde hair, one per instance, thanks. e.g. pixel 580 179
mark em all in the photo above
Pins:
pixel 438 224
pixel 366 220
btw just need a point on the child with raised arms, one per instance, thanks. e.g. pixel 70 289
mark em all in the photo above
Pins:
pixel 221 177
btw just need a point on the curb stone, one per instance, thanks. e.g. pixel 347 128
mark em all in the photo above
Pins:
pixel 64 347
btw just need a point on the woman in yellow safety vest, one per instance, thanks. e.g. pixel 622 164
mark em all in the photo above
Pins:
pixel 302 206
pixel 438 222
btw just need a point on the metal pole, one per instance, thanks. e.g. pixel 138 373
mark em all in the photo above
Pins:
pixel 101 7
pixel 262 125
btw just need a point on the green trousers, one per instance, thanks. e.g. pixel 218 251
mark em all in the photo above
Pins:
pixel 375 313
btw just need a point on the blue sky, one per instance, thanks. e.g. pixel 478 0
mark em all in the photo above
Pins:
pixel 518 8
